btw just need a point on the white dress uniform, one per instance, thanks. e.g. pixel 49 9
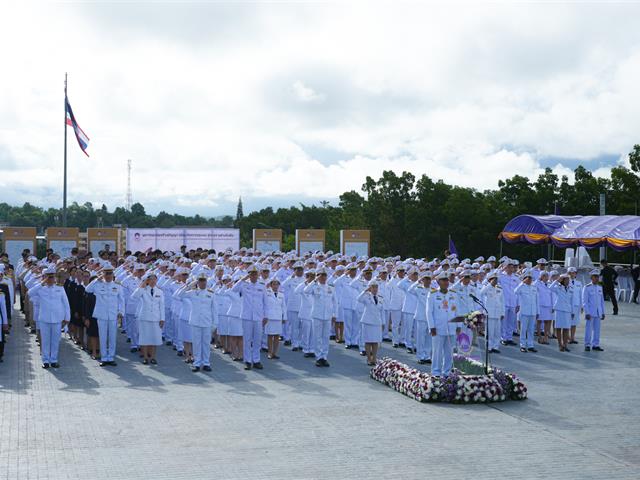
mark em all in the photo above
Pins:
pixel 306 321
pixel 384 291
pixel 151 313
pixel 395 309
pixel 109 304
pixel 465 303
pixel 408 312
pixel 563 305
pixel 527 301
pixel 233 313
pixel 359 285
pixel 593 304
pixel 252 313
pixel 508 283
pixel 441 308
pixel 53 309
pixel 291 328
pixel 423 337
pixel 223 302
pixel 275 311
pixel 324 308
pixel 347 300
pixel 132 309
pixel 577 287
pixel 372 317
pixel 545 301
pixel 493 300
pixel 202 317
pixel 168 287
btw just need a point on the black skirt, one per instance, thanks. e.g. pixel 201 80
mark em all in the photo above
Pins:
pixel 92 331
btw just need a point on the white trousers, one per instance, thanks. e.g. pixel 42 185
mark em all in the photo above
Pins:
pixel 306 335
pixel 592 332
pixel 167 330
pixel 50 341
pixel 351 327
pixel 442 354
pixel 508 323
pixel 133 331
pixel 107 329
pixel 293 323
pixel 494 332
pixel 423 341
pixel 408 329
pixel 321 332
pixel 201 337
pixel 527 328
pixel 251 338
pixel 396 325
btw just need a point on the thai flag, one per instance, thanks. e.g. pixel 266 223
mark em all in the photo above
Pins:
pixel 83 139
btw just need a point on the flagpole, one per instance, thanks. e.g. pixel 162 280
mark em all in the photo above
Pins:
pixel 64 190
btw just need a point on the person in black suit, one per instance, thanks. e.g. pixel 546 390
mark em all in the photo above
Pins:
pixel 88 303
pixel 609 276
pixel 635 274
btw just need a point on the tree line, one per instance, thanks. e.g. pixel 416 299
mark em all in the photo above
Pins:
pixel 407 216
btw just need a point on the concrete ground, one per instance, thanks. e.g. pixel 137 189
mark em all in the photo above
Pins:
pixel 294 420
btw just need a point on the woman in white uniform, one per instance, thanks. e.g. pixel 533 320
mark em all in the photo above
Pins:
pixel 371 320
pixel 276 314
pixel 223 302
pixel 151 317
pixel 563 307
pixel 234 322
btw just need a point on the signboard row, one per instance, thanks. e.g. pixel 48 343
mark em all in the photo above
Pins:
pixel 63 240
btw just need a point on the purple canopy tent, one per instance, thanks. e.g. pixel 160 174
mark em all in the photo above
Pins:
pixel 620 232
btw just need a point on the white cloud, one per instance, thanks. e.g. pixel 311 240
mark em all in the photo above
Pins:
pixel 215 101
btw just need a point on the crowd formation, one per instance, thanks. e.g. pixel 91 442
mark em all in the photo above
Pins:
pixel 245 303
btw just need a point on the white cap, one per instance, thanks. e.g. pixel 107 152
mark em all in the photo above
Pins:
pixel 491 259
pixel 542 261
pixel 492 274
pixel 572 270
pixel 443 276
pixel 373 282
pixel 595 272
pixel 50 270
pixel 251 269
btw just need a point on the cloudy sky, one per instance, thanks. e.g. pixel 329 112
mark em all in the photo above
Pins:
pixel 289 102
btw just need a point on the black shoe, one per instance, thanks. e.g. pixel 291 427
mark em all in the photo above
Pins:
pixel 428 360
pixel 145 361
pixel 128 340
pixel 168 344
pixel 523 350
pixel 55 365
pixel 566 349
pixel 504 342
pixel 532 350
pixel 112 363
pixel 247 366
pixel 287 343
pixel 153 361
pixel 258 366
pixel 45 365
pixel 597 349
pixel 264 350
pixel 133 350
pixel 206 368
pixel 410 350
pixel 325 363
pixel 395 345
pixel 123 331
pixel 512 343
pixel 318 363
pixel 308 355
pixel 180 353
pixel 387 340
pixel 573 342
pixel 195 369
pixel 363 353
pixel 494 350
pixel 422 362
pixel 347 347
pixel 332 337
pixel 402 345
pixel 103 364
pixel 587 349
pixel 615 313
pixel 295 349
pixel 516 334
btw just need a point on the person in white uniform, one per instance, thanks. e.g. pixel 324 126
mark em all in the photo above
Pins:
pixel 563 307
pixel 441 309
pixel 421 289
pixel 276 314
pixel 576 286
pixel 527 310
pixel 371 320
pixel 323 311
pixel 493 299
pixel 545 307
pixel 53 314
pixel 201 320
pixel 293 300
pixel 252 295
pixel 109 309
pixel 304 315
pixel 150 318
pixel 593 304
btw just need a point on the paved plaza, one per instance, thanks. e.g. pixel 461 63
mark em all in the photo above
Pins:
pixel 294 420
